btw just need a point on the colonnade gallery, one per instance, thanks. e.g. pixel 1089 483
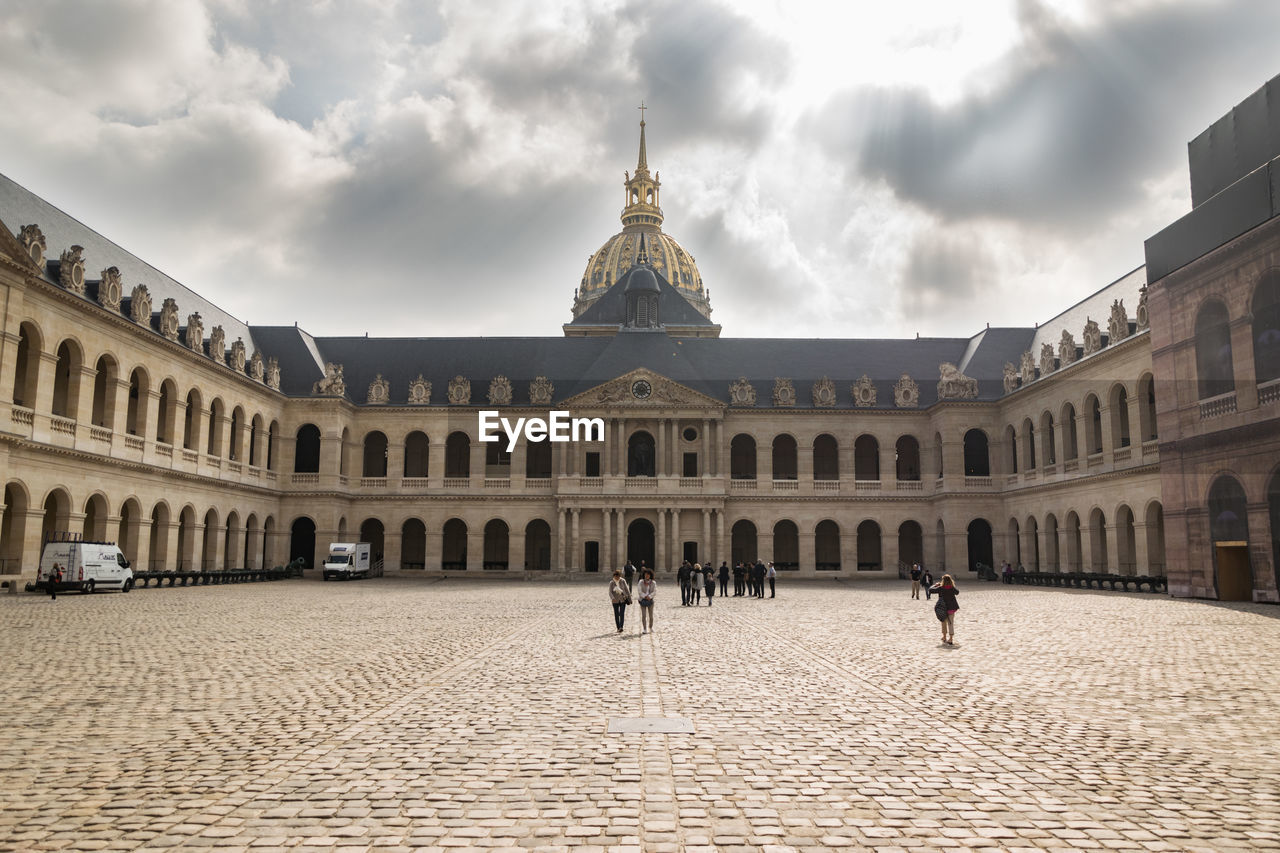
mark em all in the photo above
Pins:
pixel 1135 433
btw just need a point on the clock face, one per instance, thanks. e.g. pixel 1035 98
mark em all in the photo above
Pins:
pixel 641 389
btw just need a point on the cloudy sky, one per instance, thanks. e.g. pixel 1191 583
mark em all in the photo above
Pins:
pixel 446 168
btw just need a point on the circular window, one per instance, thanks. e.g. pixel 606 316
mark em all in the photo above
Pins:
pixel 690 434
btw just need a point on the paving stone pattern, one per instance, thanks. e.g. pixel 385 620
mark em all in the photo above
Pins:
pixel 399 714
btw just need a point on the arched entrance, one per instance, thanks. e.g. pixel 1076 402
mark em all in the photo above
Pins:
pixel 743 545
pixel 1229 531
pixel 454 554
pixel 910 543
pixel 496 545
pixel 640 457
pixel 640 543
pixel 373 532
pixel 302 541
pixel 870 557
pixel 980 550
pixel 13 529
pixel 786 546
pixel 413 544
pixel 537 546
pixel 826 546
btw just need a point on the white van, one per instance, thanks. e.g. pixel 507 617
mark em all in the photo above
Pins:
pixel 86 566
pixel 347 560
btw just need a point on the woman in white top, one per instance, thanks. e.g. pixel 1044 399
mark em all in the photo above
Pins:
pixel 646 590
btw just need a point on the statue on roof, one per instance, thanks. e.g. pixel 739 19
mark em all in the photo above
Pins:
pixel 1046 359
pixel 110 289
pixel 954 385
pixel 1010 378
pixel 1066 349
pixel 1092 336
pixel 333 384
pixel 1118 325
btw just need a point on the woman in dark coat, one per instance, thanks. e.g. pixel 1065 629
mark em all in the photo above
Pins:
pixel 946 608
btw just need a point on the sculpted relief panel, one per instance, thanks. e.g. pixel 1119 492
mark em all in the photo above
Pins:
pixel 784 393
pixel 110 289
pixel 169 319
pixel 420 391
pixel 954 385
pixel 333 384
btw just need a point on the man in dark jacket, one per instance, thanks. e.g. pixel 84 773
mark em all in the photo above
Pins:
pixel 757 575
pixel 724 579
pixel 683 577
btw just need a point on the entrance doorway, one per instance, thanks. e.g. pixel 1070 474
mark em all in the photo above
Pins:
pixel 980 550
pixel 1235 577
pixel 691 551
pixel 640 543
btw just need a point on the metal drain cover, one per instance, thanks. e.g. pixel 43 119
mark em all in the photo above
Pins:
pixel 650 725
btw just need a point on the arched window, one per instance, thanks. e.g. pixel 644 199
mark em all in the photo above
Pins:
pixel 104 392
pixel 375 455
pixel 417 454
pixel 641 455
pixel 457 455
pixel 1094 409
pixel 910 544
pixel 537 544
pixel 977 455
pixel 1126 542
pixel 1119 417
pixel 27 366
pixel 217 425
pixel 784 458
pixel 1070 439
pixel 191 420
pixel 743 542
pixel 1147 408
pixel 1048 440
pixel 1011 448
pixel 66 380
pixel 453 556
pixel 786 546
pixel 742 458
pixel 306 452
pixel 497 460
pixel 235 440
pixel 826 458
pixel 302 539
pixel 413 544
pixel 870 557
pixel 907 451
pixel 866 458
pixel 1098 541
pixel 1266 328
pixel 1029 443
pixel 1214 372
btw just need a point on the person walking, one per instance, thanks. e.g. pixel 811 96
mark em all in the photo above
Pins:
pixel 926 580
pixel 772 575
pixel 629 573
pixel 53 581
pixel 682 575
pixel 646 591
pixel 620 597
pixel 946 608
pixel 709 581
pixel 724 578
pixel 695 585
pixel 915 580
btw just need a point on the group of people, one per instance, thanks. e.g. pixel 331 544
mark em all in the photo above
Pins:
pixel 947 604
pixel 694 580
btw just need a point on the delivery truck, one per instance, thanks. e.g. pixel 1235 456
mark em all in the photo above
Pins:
pixel 86 566
pixel 348 560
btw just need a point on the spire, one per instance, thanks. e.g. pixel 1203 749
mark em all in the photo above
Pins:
pixel 642 164
pixel 642 210
pixel 643 256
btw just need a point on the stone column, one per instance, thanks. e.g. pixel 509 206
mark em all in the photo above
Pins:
pixel 575 542
pixel 476 469
pixel 660 449
pixel 888 468
pixel 722 544
pixel 519 462
pixel 764 460
pixel 560 542
pixel 1141 554
pixel 80 394
pixel 704 457
pixel 435 463
pixel 808 551
pixel 515 548
pixel 395 464
pixel 475 548
pixel 392 547
pixel 141 545
pixel 1113 548
pixel 32 536
pixel 433 554
pixel 704 549
pixel 620 549
pixel 764 543
pixel 606 538
pixel 149 415
pixel 660 545
pixel 46 371
pixel 719 466
pixel 676 556
pixel 957 557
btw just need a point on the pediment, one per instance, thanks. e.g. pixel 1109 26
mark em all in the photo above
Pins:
pixel 663 392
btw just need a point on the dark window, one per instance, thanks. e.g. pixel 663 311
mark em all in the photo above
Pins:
pixel 690 465
pixel 593 463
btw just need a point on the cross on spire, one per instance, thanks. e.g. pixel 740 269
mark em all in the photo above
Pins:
pixel 642 108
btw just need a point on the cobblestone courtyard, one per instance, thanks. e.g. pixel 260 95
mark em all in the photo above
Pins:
pixel 398 714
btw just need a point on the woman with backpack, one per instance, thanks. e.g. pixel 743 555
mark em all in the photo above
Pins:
pixel 946 608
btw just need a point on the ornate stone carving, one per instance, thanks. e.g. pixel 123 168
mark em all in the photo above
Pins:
pixel 906 394
pixel 110 289
pixel 824 393
pixel 1092 337
pixel 640 388
pixel 1010 378
pixel 784 393
pixel 1118 325
pixel 33 241
pixel 71 269
pixel 1046 359
pixel 499 391
pixel 864 392
pixel 218 345
pixel 1144 321
pixel 256 369
pixel 237 355
pixel 140 305
pixel 379 391
pixel 419 391
pixel 333 384
pixel 541 391
pixel 1066 349
pixel 1027 369
pixel 741 393
pixel 195 332
pixel 273 373
pixel 169 319
pixel 459 391
pixel 954 385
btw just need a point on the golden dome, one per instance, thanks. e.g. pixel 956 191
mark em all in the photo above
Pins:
pixel 641 215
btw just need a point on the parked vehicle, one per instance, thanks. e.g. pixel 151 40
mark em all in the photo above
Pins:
pixel 86 566
pixel 348 560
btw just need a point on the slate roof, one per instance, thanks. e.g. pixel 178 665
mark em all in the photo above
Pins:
pixel 611 308
pixel 19 207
